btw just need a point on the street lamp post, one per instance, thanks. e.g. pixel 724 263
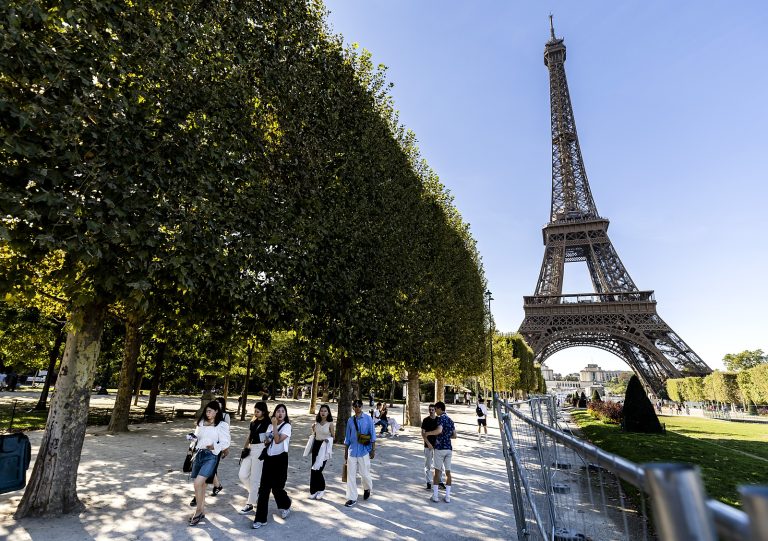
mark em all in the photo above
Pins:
pixel 490 332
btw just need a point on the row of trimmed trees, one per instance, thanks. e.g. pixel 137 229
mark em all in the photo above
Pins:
pixel 746 387
pixel 210 174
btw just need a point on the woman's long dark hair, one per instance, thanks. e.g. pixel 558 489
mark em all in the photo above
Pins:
pixel 214 405
pixel 330 416
pixel 286 420
pixel 223 403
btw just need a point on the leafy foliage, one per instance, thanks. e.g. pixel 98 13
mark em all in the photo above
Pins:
pixel 744 360
pixel 608 411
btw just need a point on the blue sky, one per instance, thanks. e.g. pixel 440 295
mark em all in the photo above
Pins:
pixel 671 106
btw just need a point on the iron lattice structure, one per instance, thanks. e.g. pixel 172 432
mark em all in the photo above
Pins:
pixel 616 316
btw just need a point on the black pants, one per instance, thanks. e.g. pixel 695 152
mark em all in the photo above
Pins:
pixel 316 479
pixel 273 478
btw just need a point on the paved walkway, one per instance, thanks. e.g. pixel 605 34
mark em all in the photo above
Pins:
pixel 133 489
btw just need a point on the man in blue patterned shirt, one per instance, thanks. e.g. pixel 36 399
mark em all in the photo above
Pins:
pixel 445 432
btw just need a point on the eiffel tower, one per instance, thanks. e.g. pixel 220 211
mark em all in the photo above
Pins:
pixel 616 316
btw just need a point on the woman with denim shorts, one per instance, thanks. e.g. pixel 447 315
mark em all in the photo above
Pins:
pixel 212 438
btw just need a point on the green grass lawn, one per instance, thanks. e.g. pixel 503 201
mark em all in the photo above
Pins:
pixel 717 447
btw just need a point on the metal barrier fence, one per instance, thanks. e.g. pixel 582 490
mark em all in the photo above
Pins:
pixel 565 489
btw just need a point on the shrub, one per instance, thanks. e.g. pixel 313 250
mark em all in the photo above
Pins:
pixel 608 412
pixel 638 414
pixel 596 396
pixel 583 400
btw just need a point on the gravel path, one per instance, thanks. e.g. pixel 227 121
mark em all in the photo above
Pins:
pixel 133 488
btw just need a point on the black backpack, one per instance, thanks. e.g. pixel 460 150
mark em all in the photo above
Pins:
pixel 479 411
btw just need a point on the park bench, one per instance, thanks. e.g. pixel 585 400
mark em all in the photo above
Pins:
pixel 185 412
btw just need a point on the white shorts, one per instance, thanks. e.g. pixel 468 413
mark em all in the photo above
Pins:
pixel 443 459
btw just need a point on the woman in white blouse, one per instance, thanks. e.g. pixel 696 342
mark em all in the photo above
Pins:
pixel 322 430
pixel 212 437
pixel 275 470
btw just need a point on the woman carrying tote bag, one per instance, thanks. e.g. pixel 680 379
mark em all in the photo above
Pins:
pixel 250 465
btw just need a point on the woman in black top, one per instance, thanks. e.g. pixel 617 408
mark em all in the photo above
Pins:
pixel 250 465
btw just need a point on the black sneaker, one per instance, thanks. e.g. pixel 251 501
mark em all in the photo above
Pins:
pixel 216 490
pixel 442 486
pixel 366 494
pixel 193 503
pixel 350 503
pixel 429 486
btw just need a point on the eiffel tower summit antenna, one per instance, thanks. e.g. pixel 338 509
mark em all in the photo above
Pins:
pixel 616 316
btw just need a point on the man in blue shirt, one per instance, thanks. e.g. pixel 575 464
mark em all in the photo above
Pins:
pixel 359 449
pixel 445 432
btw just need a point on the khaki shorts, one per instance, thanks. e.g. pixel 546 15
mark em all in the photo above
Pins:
pixel 443 459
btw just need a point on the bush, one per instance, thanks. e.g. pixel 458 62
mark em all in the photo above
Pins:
pixel 583 400
pixel 596 396
pixel 608 412
pixel 638 414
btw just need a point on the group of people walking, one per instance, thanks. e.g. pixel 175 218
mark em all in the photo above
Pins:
pixel 264 457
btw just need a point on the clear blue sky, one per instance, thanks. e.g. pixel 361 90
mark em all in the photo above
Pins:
pixel 671 105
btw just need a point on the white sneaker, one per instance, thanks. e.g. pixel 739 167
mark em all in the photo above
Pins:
pixel 257 525
pixel 319 495
pixel 435 498
pixel 447 498
pixel 285 513
pixel 313 496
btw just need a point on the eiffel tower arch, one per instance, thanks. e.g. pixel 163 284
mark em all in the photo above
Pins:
pixel 616 316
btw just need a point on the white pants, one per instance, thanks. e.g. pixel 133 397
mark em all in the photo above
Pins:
pixel 363 464
pixel 250 472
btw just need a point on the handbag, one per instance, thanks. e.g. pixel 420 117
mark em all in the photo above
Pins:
pixel 362 439
pixel 187 467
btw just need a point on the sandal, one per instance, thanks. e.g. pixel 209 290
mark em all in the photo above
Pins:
pixel 196 518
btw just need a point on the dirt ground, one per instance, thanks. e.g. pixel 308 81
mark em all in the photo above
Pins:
pixel 133 488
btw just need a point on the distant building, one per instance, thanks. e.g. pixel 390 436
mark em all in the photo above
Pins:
pixel 589 379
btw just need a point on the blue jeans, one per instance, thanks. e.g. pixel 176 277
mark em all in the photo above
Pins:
pixel 384 425
pixel 204 464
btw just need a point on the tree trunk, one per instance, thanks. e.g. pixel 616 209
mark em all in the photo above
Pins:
pixel 439 389
pixel 392 392
pixel 157 373
pixel 315 383
pixel 414 403
pixel 244 393
pixel 118 422
pixel 345 398
pixel 52 487
pixel 53 356
pixel 225 391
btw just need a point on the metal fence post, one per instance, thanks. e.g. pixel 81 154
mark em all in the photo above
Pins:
pixel 513 475
pixel 755 500
pixel 679 502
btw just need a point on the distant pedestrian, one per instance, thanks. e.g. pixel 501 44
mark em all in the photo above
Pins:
pixel 275 469
pixel 212 435
pixel 250 463
pixel 323 432
pixel 482 417
pixel 445 432
pixel 359 450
